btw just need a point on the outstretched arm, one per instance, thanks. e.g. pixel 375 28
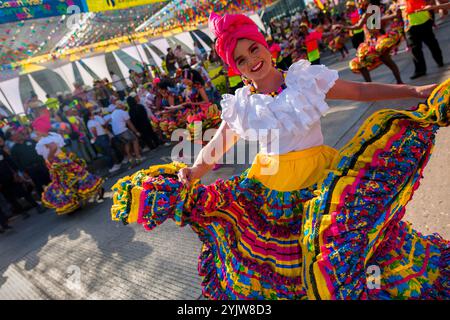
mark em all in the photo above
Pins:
pixel 373 91
pixel 358 25
pixel 222 141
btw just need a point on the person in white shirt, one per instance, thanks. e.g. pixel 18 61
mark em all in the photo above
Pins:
pixel 181 57
pixel 198 52
pixel 101 138
pixel 125 131
pixel 72 184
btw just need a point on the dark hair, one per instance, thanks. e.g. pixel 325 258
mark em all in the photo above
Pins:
pixel 131 101
pixel 194 76
pixel 375 2
pixel 164 84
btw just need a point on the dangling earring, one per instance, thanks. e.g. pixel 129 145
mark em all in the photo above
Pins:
pixel 274 62
pixel 245 80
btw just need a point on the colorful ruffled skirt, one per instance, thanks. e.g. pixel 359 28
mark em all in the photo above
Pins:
pixel 165 123
pixel 333 231
pixel 337 43
pixel 369 52
pixel 71 184
pixel 201 118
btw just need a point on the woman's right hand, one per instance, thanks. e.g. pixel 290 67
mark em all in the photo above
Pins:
pixel 189 175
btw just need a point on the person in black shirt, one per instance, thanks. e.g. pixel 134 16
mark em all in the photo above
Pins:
pixel 11 183
pixel 24 155
pixel 139 118
pixel 3 222
pixel 170 62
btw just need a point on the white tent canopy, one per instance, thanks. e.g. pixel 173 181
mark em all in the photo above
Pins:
pixel 87 78
pixel 123 68
pixel 207 48
pixel 208 33
pixel 155 56
pixel 186 38
pixel 98 65
pixel 66 72
pixel 37 89
pixel 137 53
pixel 256 19
pixel 4 102
pixel 11 90
pixel 161 44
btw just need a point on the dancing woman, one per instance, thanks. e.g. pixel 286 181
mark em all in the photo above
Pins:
pixel 163 120
pixel 305 221
pixel 71 184
pixel 377 47
pixel 196 107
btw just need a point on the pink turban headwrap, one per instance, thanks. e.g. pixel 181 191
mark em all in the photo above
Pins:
pixel 228 30
pixel 42 124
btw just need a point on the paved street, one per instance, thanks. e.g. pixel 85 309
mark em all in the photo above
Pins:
pixel 46 255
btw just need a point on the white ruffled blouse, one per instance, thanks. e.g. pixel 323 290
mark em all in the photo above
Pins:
pixel 291 120
pixel 41 146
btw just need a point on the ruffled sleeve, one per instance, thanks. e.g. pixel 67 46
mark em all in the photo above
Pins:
pixel 57 139
pixel 230 114
pixel 41 149
pixel 248 115
pixel 41 146
pixel 313 82
pixel 293 112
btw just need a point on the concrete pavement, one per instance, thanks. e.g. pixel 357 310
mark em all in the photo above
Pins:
pixel 87 256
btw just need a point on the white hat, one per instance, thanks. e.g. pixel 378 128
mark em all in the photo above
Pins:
pixel 132 94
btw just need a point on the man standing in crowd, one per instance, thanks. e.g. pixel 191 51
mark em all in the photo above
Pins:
pixel 32 102
pixel 101 94
pixel 170 62
pixel 52 103
pixel 312 39
pixel 125 131
pixel 419 28
pixel 25 157
pixel 181 57
pixel 140 120
pixel 101 138
pixel 11 184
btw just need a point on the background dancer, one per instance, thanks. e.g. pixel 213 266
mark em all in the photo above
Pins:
pixel 71 184
pixel 376 49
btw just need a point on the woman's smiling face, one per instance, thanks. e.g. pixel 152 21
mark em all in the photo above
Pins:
pixel 252 59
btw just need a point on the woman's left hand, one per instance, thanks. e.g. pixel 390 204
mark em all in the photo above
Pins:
pixel 424 91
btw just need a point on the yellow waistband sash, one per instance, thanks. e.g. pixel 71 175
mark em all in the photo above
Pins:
pixel 294 170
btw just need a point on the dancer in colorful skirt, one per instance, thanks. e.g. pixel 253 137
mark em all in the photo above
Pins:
pixel 338 44
pixel 71 183
pixel 197 108
pixel 163 120
pixel 200 109
pixel 376 49
pixel 305 221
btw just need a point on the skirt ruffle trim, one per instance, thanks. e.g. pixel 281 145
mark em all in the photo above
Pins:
pixel 377 174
